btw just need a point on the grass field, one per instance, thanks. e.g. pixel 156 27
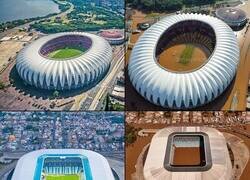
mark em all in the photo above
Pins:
pixel 65 53
pixel 63 177
pixel 187 54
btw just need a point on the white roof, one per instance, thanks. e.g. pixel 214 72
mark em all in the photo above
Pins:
pixel 118 94
pixel 6 38
pixel 170 89
pixel 99 166
pixel 79 71
pixel 221 164
pixel 119 88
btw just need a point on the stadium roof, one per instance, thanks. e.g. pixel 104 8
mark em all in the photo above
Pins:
pixel 112 33
pixel 231 15
pixel 190 89
pixel 113 36
pixel 81 71
pixel 26 166
pixel 221 168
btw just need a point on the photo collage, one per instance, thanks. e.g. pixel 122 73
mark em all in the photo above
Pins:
pixel 124 90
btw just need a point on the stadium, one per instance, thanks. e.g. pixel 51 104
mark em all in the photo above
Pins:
pixel 64 61
pixel 194 84
pixel 234 17
pixel 169 157
pixel 113 36
pixel 63 164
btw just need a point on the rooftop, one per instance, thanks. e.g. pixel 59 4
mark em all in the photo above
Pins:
pixel 95 166
pixel 159 165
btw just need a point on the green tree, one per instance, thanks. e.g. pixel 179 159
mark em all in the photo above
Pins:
pixel 131 134
pixel 130 138
pixel 2 85
pixel 107 103
pixel 55 94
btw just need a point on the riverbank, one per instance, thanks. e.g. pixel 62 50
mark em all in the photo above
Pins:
pixel 12 24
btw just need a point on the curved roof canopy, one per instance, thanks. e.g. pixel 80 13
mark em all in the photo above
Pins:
pixel 177 90
pixel 27 165
pixel 232 16
pixel 81 71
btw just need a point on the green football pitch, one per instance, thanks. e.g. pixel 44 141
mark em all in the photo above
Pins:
pixel 62 177
pixel 61 54
pixel 187 54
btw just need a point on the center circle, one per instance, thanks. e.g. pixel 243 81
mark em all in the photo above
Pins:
pixel 65 47
pixel 185 46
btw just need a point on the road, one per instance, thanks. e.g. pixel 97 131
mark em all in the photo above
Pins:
pixel 235 101
pixel 240 87
pixel 119 64
pixel 98 91
pixel 6 170
pixel 238 102
pixel 118 166
pixel 64 13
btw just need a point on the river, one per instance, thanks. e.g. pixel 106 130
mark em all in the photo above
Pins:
pixel 21 9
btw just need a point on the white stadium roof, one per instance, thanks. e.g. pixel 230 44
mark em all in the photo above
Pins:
pixel 190 89
pixel 80 71
pixel 221 168
pixel 26 166
pixel 232 16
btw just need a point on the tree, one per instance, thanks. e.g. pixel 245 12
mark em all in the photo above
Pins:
pixel 2 85
pixel 131 134
pixel 55 94
pixel 117 107
pixel 131 138
pixel 107 104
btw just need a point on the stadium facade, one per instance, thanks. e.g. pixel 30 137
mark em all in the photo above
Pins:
pixel 234 17
pixel 113 36
pixel 185 89
pixel 83 164
pixel 215 163
pixel 37 69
